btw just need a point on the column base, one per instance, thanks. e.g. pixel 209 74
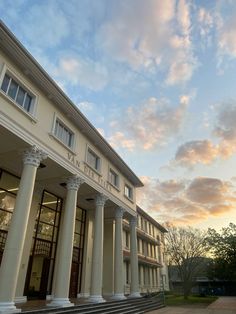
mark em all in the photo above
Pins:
pixel 96 299
pixel 8 307
pixel 118 296
pixel 83 295
pixel 60 302
pixel 22 299
pixel 134 295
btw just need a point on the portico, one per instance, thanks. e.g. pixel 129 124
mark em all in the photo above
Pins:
pixel 61 187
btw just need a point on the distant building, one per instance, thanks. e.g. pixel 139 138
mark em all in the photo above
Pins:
pixel 153 271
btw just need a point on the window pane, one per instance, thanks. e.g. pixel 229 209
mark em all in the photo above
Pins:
pixel 93 160
pixel 78 226
pixel 7 201
pixel 63 134
pixel 20 96
pixel 45 231
pixel 47 215
pixel 5 83
pixel 9 182
pixel 76 240
pixel 12 89
pixel 50 200
pixel 27 103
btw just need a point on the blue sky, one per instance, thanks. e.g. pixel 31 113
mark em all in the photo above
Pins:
pixel 157 79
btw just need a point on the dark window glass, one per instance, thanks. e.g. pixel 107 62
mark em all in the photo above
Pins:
pixel 5 83
pixel 27 102
pixel 12 89
pixel 20 96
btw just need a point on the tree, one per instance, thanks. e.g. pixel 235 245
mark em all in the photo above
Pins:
pixel 186 249
pixel 222 245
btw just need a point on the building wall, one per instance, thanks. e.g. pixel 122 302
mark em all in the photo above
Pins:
pixel 38 128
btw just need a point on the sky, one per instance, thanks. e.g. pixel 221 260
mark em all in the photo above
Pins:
pixel 158 80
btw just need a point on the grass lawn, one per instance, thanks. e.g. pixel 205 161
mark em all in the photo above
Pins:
pixel 192 300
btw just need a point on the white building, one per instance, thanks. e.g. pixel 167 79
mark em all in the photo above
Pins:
pixel 63 194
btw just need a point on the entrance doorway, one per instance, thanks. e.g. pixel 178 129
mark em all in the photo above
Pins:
pixel 43 252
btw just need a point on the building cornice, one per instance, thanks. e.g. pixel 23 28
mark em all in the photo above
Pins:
pixel 142 213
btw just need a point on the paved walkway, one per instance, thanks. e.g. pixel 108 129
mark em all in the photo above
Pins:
pixel 223 305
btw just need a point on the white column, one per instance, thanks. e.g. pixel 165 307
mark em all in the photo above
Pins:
pixel 64 254
pixel 19 297
pixel 118 271
pixel 154 279
pixel 97 260
pixel 16 235
pixel 134 285
pixel 151 279
pixel 141 277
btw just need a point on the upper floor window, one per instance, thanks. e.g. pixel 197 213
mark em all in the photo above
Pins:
pixel 128 192
pixel 17 93
pixel 64 134
pixel 93 160
pixel 113 178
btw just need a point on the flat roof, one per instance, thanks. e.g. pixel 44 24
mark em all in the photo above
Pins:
pixel 28 64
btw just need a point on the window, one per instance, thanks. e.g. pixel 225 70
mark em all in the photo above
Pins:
pixel 93 160
pixel 65 135
pixel 113 178
pixel 126 239
pixel 128 192
pixel 17 93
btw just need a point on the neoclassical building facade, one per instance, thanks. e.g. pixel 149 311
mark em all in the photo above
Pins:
pixel 65 195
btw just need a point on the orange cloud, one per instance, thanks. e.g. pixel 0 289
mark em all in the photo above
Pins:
pixel 186 202
pixel 194 152
pixel 206 152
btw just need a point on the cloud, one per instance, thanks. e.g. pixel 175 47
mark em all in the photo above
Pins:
pixel 162 42
pixel 82 71
pixel 196 152
pixel 207 190
pixel 227 36
pixel 148 125
pixel 186 201
pixel 85 106
pixel 206 21
pixel 206 151
pixel 48 24
pixel 118 139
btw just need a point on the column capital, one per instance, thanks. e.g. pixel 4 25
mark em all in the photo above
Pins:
pixel 119 212
pixel 100 199
pixel 33 156
pixel 133 221
pixel 74 182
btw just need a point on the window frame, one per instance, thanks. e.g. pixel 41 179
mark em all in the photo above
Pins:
pixel 65 126
pixel 20 82
pixel 131 193
pixel 91 151
pixel 116 186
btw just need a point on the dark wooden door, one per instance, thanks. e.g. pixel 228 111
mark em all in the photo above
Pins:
pixel 74 280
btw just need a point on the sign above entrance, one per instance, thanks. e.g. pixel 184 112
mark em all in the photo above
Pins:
pixel 89 172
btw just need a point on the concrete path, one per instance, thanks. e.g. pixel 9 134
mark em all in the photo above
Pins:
pixel 223 305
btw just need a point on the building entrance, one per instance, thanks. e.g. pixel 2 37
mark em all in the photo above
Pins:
pixel 43 251
pixel 77 259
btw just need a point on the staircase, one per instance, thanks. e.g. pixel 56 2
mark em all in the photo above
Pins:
pixel 129 306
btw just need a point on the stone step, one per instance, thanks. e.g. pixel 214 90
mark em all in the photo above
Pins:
pixel 128 306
